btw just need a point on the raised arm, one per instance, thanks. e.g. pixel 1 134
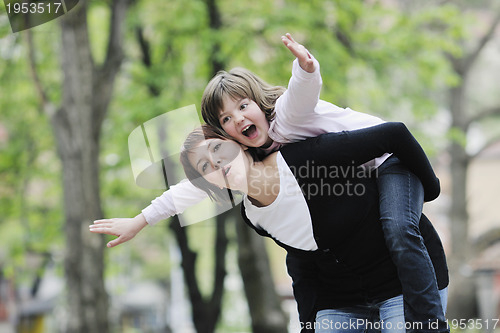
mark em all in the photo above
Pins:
pixel 304 87
pixel 359 146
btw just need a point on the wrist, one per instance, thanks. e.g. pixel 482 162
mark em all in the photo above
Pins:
pixel 302 73
pixel 141 221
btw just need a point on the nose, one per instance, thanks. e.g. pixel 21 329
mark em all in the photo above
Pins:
pixel 216 163
pixel 238 117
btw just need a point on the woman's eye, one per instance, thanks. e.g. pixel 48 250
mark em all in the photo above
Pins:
pixel 204 167
pixel 216 147
pixel 243 106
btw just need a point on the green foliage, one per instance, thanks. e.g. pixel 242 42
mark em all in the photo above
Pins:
pixel 29 169
pixel 98 19
pixel 374 58
pixel 456 135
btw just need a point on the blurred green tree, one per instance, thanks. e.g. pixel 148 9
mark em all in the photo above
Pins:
pixel 465 114
pixel 76 123
pixel 386 58
pixel 31 216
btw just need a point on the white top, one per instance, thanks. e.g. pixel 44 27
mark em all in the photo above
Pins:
pixel 173 201
pixel 300 114
pixel 291 224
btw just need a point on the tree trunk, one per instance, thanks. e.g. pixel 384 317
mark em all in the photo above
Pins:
pixel 462 300
pixel 86 93
pixel 263 301
pixel 87 301
pixel 206 312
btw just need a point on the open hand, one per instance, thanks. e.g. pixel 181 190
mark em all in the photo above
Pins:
pixel 124 228
pixel 300 52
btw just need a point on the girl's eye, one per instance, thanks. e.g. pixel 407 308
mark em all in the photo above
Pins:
pixel 243 106
pixel 204 167
pixel 225 120
pixel 216 147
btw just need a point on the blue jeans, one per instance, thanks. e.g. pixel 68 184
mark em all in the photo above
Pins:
pixel 401 200
pixel 386 316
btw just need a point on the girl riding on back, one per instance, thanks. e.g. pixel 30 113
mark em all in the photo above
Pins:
pixel 266 117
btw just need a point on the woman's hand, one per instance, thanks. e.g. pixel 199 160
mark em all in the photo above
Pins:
pixel 300 52
pixel 124 228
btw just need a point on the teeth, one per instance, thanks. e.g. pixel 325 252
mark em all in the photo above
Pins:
pixel 245 128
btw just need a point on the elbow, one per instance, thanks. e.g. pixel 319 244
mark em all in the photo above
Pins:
pixel 398 128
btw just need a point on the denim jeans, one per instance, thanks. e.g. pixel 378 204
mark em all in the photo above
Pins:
pixel 401 201
pixel 386 316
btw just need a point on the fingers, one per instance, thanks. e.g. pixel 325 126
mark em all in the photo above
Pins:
pixel 100 228
pixel 103 221
pixel 297 49
pixel 103 224
pixel 123 228
pixel 103 230
pixel 103 227
pixel 115 242
pixel 300 52
pixel 287 40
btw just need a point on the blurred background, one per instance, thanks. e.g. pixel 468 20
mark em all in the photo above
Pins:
pixel 72 90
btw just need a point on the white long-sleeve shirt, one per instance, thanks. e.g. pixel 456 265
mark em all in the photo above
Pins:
pixel 300 114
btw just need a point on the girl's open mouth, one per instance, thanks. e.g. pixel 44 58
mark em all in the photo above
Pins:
pixel 250 131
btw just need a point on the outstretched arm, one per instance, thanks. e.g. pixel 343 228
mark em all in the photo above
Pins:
pixel 300 99
pixel 171 202
pixel 124 228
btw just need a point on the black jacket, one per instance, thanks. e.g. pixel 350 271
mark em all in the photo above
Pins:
pixel 352 264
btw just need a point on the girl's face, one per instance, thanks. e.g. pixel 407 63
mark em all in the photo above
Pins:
pixel 222 163
pixel 245 122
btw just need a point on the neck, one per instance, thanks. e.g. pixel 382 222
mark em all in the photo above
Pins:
pixel 268 143
pixel 263 181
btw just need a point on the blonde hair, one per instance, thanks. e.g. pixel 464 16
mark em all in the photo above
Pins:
pixel 237 83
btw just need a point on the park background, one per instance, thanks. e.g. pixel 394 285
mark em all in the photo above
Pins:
pixel 73 89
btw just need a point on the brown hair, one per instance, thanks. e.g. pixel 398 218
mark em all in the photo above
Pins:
pixel 237 83
pixel 192 141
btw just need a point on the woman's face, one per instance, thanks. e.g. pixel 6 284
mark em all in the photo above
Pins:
pixel 222 163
